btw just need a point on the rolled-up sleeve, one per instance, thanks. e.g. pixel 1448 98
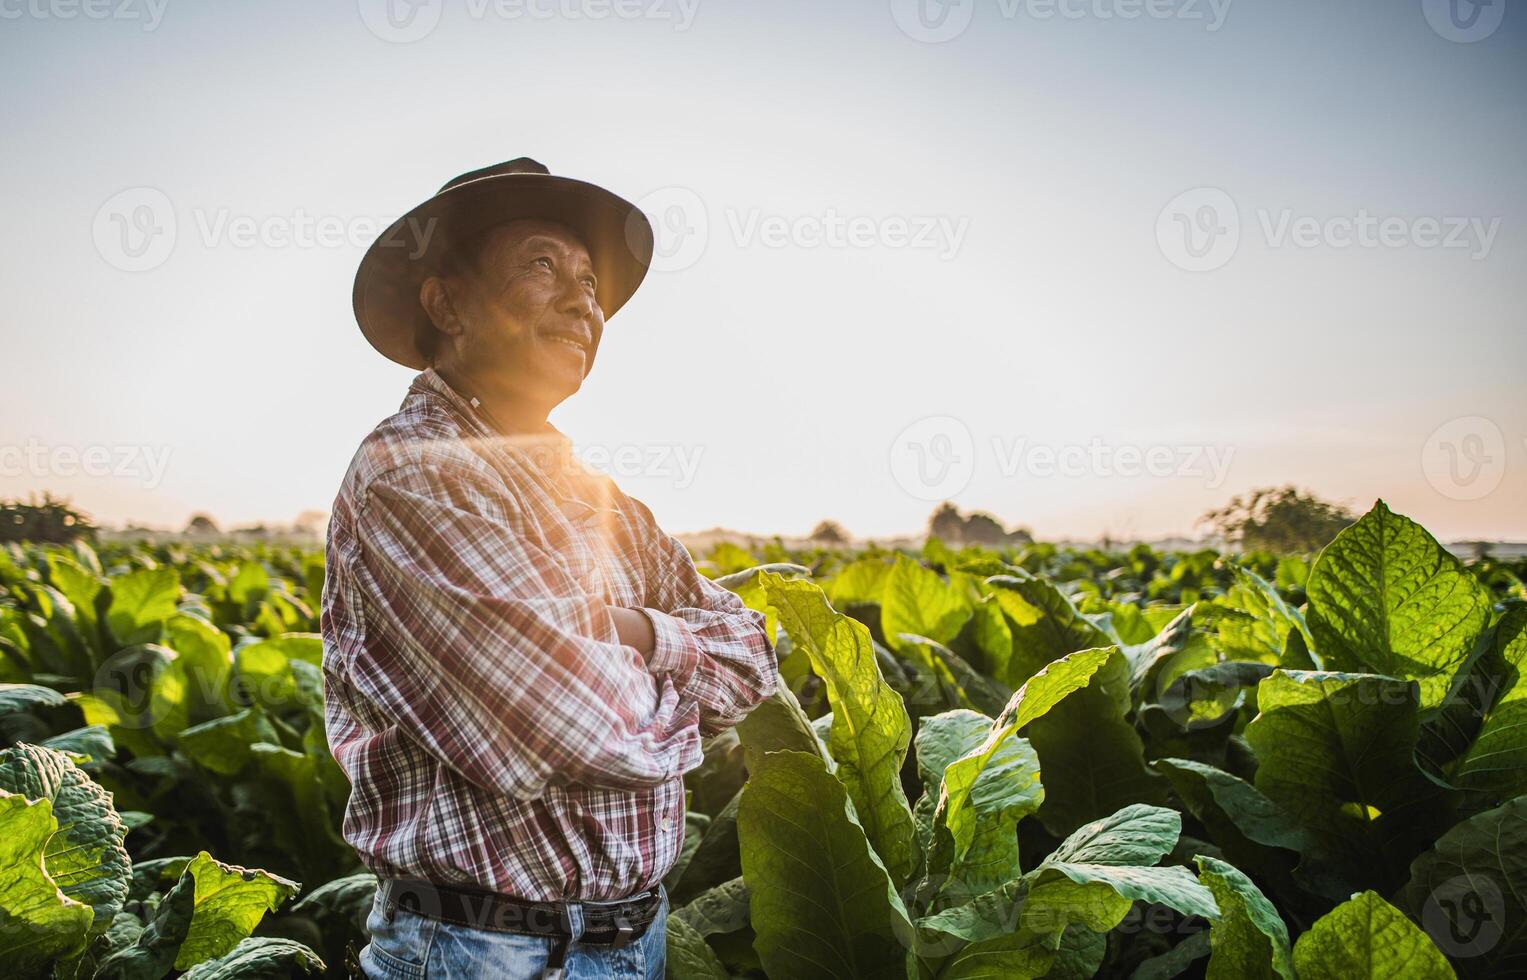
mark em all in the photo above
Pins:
pixel 493 658
pixel 715 649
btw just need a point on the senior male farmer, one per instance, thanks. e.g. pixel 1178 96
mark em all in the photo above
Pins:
pixel 519 663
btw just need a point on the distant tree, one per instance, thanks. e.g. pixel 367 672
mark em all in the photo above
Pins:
pixel 984 529
pixel 50 521
pixel 946 524
pixel 1279 519
pixel 201 524
pixel 829 532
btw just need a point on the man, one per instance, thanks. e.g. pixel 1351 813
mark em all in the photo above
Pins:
pixel 519 663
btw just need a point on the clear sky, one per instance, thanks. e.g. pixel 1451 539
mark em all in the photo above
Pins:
pixel 1090 265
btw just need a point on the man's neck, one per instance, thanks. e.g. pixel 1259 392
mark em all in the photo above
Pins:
pixel 509 411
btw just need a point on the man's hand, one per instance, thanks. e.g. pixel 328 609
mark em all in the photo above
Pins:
pixel 634 629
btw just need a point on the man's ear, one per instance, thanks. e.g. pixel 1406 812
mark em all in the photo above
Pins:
pixel 435 297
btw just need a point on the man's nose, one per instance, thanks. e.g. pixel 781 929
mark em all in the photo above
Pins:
pixel 577 301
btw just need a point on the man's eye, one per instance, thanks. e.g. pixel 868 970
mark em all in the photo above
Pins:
pixel 544 260
pixel 589 282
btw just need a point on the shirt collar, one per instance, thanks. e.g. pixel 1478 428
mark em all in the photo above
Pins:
pixel 545 447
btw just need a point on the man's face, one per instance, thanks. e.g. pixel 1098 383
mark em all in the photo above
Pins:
pixel 526 309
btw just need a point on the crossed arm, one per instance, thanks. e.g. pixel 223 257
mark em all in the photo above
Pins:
pixel 505 668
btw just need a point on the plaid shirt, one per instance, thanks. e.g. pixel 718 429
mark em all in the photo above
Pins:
pixel 496 732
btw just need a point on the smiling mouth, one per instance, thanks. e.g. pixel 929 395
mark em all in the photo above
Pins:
pixel 569 342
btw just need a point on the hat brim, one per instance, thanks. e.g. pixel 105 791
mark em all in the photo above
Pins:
pixel 616 233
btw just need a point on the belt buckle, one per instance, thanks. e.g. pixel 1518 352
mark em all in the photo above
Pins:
pixel 624 930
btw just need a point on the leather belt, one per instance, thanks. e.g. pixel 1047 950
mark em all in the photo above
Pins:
pixel 613 924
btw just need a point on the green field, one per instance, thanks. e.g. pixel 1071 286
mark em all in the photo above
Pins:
pixel 1018 763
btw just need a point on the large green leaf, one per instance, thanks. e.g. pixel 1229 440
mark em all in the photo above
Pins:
pixel 259 959
pixel 1020 955
pixel 1249 940
pixel 230 902
pixel 1248 827
pixel 1091 879
pixel 1336 753
pixel 1257 628
pixel 1386 598
pixel 24 697
pixel 152 952
pixel 1469 892
pixel 918 600
pixel 689 956
pixel 870 728
pixel 140 603
pixel 821 902
pixel 1044 624
pixel 1038 695
pixel 86 857
pixel 1093 759
pixel 1497 759
pixel 1367 937
pixel 38 922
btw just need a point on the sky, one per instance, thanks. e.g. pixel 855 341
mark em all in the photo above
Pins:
pixel 1092 266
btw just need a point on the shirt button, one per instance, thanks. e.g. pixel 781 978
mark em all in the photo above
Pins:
pixel 666 824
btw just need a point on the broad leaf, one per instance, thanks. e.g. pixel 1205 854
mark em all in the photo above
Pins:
pixel 1386 598
pixel 38 922
pixel 1044 625
pixel 1336 753
pixel 1497 759
pixel 918 600
pixel 1469 892
pixel 230 902
pixel 1367 937
pixel 822 903
pixel 86 857
pixel 259 959
pixel 1249 940
pixel 870 728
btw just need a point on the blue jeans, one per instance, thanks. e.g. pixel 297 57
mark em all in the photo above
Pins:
pixel 416 947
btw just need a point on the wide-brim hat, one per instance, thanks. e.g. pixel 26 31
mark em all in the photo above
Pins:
pixel 616 233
